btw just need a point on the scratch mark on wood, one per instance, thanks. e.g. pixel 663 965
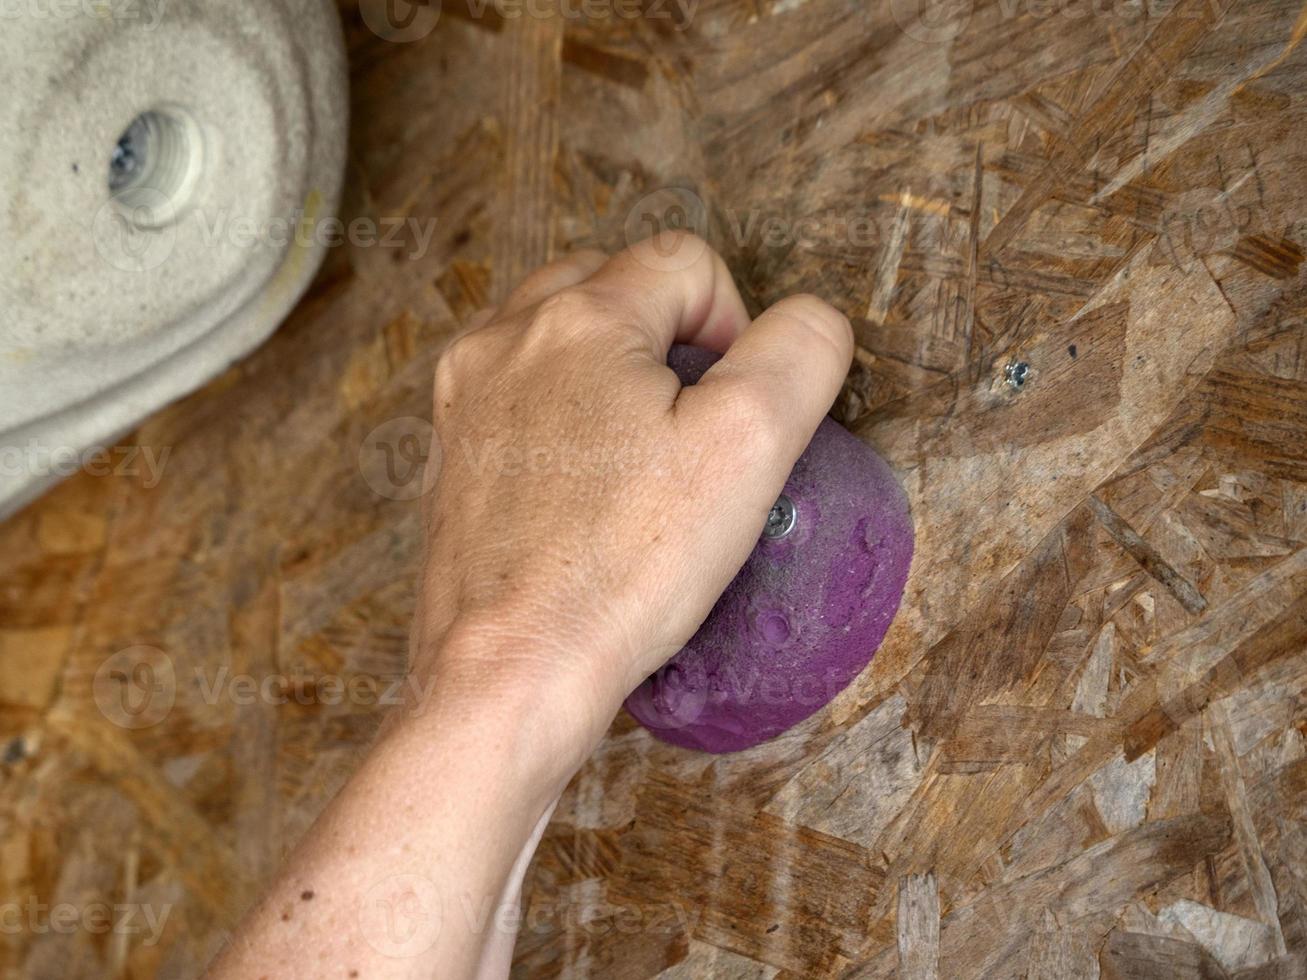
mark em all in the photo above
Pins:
pixel 1144 553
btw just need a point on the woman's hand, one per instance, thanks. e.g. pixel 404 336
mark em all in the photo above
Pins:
pixel 586 514
pixel 588 511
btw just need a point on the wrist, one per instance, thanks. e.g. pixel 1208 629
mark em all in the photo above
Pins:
pixel 507 695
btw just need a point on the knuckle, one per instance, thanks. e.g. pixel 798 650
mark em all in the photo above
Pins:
pixel 456 360
pixel 817 317
pixel 681 238
pixel 752 423
pixel 673 241
pixel 479 319
pixel 533 284
pixel 586 257
pixel 567 308
pixel 561 274
pixel 457 352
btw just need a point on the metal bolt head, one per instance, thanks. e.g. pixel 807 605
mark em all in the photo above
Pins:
pixel 780 521
pixel 1016 374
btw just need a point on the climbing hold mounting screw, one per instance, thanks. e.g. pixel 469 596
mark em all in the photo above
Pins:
pixel 780 521
pixel 1016 374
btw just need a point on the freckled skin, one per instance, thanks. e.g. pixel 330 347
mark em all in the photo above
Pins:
pixel 806 612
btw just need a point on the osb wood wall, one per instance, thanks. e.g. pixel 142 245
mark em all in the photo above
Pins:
pixel 1070 238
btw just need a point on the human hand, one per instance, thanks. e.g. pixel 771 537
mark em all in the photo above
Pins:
pixel 587 510
pixel 586 514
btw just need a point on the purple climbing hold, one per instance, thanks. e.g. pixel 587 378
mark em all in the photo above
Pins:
pixel 806 612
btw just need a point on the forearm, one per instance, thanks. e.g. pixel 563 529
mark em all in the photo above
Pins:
pixel 404 873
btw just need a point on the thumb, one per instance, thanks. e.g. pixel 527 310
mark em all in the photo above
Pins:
pixel 780 377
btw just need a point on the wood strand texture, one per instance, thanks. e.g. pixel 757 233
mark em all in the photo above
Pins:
pixel 1070 237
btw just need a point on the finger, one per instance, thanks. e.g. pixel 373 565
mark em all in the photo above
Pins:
pixel 675 289
pixel 476 321
pixel 549 279
pixel 785 370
